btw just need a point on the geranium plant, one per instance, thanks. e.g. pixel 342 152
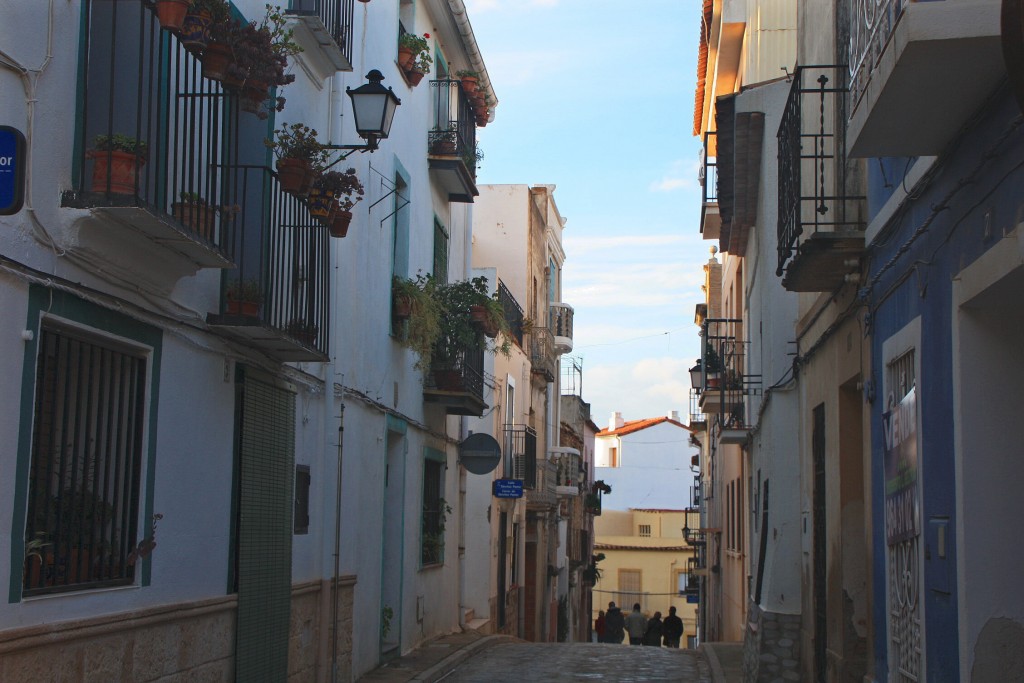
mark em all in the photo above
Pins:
pixel 420 50
pixel 298 141
pixel 342 185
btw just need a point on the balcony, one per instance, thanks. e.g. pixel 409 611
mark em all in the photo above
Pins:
pixel 710 218
pixel 698 421
pixel 451 143
pixel 513 313
pixel 727 385
pixel 913 60
pixel 560 323
pixel 457 383
pixel 542 354
pixel 158 192
pixel 282 256
pixel 821 225
pixel 543 496
pixel 521 450
pixel 568 470
pixel 323 28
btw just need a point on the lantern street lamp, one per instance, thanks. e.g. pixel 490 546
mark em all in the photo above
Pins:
pixel 373 108
pixel 697 375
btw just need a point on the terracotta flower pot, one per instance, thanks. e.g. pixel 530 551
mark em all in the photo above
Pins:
pixel 199 218
pixel 216 58
pixel 405 56
pixel 470 84
pixel 122 168
pixel 340 223
pixel 291 173
pixel 171 13
pixel 401 308
pixel 415 77
pixel 254 94
pixel 246 308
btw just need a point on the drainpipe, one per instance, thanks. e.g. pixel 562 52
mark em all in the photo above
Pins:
pixel 337 551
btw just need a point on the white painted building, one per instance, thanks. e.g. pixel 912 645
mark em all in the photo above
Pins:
pixel 285 459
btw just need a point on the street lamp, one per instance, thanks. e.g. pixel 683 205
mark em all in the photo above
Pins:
pixel 373 108
pixel 697 375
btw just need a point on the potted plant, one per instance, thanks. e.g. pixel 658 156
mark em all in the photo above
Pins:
pixel 470 80
pixel 417 310
pixel 420 68
pixel 302 331
pixel 412 48
pixel 336 190
pixel 459 334
pixel 445 142
pixel 171 13
pixel 201 16
pixel 244 297
pixel 116 162
pixel 195 214
pixel 712 367
pixel 300 156
pixel 260 58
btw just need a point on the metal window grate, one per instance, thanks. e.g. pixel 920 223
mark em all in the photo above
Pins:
pixel 83 498
pixel 432 550
pixel 521 447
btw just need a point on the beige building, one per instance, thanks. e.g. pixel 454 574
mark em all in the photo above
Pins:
pixel 646 561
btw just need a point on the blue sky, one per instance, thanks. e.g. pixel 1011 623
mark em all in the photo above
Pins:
pixel 596 97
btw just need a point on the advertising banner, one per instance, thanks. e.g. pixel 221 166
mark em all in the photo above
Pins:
pixel 902 507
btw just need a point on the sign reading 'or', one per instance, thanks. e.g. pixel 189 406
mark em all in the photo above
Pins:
pixel 12 170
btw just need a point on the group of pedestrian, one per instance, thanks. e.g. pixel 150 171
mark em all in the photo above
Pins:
pixel 612 627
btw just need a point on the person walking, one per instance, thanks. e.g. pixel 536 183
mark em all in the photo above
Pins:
pixel 654 631
pixel 614 623
pixel 599 626
pixel 673 628
pixel 636 625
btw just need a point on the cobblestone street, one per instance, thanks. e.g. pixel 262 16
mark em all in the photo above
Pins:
pixel 522 662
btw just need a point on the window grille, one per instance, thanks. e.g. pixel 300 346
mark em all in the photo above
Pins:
pixel 432 551
pixel 83 502
pixel 645 530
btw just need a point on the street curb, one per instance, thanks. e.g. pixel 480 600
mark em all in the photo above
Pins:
pixel 717 674
pixel 448 664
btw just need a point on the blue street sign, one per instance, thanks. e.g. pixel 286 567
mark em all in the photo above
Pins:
pixel 692 599
pixel 508 488
pixel 12 170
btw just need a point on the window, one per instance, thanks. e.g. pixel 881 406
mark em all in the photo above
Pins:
pixel 82 524
pixel 682 581
pixel 613 457
pixel 645 530
pixel 629 588
pixel 435 509
pixel 440 252
pixel 302 499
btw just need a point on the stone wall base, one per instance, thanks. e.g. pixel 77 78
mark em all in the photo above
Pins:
pixel 192 642
pixel 771 647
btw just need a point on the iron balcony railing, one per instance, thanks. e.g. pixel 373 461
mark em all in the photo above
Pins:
pixel 696 414
pixel 543 494
pixel 337 17
pixel 462 372
pixel 282 249
pixel 812 164
pixel 542 353
pixel 454 127
pixel 870 29
pixel 513 312
pixel 709 171
pixel 560 322
pixel 727 382
pixel 521 454
pixel 568 466
pixel 144 91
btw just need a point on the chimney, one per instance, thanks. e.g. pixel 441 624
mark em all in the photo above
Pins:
pixel 616 421
pixel 673 415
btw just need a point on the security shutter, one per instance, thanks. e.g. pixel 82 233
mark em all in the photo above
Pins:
pixel 265 505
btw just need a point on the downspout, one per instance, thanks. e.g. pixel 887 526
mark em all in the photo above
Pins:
pixel 337 551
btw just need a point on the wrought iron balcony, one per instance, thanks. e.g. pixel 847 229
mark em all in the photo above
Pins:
pixel 521 454
pixel 560 322
pixel 282 253
pixel 543 495
pixel 543 360
pixel 710 218
pixel 171 131
pixel 457 382
pixel 451 143
pixel 323 28
pixel 568 470
pixel 698 421
pixel 727 383
pixel 513 313
pixel 909 63
pixel 821 225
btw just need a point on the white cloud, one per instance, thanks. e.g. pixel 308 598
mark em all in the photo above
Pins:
pixel 681 175
pixel 648 388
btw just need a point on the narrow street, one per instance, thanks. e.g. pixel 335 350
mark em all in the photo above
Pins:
pixel 519 662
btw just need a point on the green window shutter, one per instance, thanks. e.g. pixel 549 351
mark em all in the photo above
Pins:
pixel 440 252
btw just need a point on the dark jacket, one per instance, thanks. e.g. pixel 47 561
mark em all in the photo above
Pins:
pixel 672 628
pixel 652 636
pixel 614 623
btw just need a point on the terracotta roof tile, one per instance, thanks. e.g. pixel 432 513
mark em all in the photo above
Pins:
pixel 630 426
